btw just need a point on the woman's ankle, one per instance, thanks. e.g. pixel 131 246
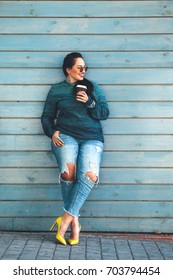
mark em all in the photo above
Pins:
pixel 66 221
pixel 75 228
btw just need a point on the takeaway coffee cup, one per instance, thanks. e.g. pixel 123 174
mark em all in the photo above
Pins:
pixel 80 88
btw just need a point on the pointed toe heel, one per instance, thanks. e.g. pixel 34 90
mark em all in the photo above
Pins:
pixel 58 236
pixel 74 241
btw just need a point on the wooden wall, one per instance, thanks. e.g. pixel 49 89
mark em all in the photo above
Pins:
pixel 128 46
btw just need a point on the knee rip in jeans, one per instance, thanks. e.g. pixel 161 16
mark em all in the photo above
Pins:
pixel 93 177
pixel 70 174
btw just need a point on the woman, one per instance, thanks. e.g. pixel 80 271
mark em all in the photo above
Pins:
pixel 77 139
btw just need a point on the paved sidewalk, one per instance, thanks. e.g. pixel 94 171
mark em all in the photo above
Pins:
pixel 43 246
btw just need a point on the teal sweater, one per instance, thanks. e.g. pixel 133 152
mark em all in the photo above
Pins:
pixel 64 113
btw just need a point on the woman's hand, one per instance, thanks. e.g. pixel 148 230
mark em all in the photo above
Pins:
pixel 57 140
pixel 81 96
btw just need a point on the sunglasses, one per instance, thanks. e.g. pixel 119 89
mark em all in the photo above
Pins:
pixel 81 68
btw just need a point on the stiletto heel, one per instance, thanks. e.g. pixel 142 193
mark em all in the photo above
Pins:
pixel 74 241
pixel 52 227
pixel 58 236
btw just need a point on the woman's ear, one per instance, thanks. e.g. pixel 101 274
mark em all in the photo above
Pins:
pixel 68 70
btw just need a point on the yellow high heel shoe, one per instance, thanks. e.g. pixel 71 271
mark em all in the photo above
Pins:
pixel 58 236
pixel 74 241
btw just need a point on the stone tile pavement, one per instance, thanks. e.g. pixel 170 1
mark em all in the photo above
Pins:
pixel 43 246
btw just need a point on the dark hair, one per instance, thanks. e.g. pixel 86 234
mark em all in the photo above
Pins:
pixel 69 62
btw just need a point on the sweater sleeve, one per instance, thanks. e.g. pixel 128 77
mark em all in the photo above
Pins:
pixel 49 114
pixel 100 111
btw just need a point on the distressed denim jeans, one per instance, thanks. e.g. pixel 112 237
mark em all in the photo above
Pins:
pixel 86 155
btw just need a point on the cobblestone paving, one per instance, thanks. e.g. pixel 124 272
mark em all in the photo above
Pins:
pixel 43 246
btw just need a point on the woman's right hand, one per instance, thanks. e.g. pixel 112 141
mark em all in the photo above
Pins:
pixel 57 140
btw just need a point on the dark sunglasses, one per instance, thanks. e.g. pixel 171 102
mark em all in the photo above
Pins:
pixel 81 68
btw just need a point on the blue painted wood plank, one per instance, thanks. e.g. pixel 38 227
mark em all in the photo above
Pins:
pixel 117 109
pixel 112 143
pixel 102 59
pixel 141 109
pixel 111 59
pixel 82 9
pixel 112 92
pixel 108 76
pixel 82 43
pixel 111 126
pixel 138 126
pixel 107 176
pixel 138 143
pixel 19 126
pixel 86 25
pixel 138 93
pixel 23 92
pixel 127 209
pixel 143 225
pixel 110 159
pixel 24 143
pixel 110 209
pixel 101 193
pixel 21 109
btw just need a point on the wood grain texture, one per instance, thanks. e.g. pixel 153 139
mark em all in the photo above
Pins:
pixel 111 126
pixel 112 92
pixel 93 9
pixel 88 224
pixel 109 192
pixel 112 59
pixel 113 76
pixel 117 109
pixel 86 26
pixel 107 175
pixel 110 159
pixel 94 43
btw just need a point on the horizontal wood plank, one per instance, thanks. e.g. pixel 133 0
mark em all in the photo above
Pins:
pixel 141 109
pixel 138 93
pixel 117 109
pixel 111 126
pixel 109 209
pixel 112 143
pixel 82 9
pixel 68 43
pixel 113 76
pixel 24 143
pixel 101 193
pixel 108 224
pixel 110 159
pixel 86 26
pixel 102 59
pixel 112 92
pixel 138 126
pixel 107 176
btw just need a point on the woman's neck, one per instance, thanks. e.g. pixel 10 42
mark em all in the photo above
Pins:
pixel 71 80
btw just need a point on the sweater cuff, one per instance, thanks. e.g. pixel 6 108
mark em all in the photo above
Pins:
pixel 90 103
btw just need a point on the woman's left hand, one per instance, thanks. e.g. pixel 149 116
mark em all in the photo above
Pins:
pixel 81 96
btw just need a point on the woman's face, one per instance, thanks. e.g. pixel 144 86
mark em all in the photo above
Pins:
pixel 77 72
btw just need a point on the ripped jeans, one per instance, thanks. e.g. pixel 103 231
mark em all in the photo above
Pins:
pixel 85 158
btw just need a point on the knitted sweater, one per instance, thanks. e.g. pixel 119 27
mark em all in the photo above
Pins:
pixel 64 113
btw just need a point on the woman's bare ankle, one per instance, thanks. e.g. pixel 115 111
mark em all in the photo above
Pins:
pixel 66 221
pixel 75 229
